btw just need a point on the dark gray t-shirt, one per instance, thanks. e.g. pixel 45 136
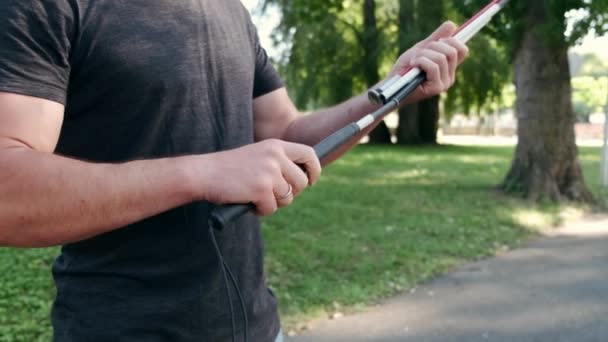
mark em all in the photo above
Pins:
pixel 147 79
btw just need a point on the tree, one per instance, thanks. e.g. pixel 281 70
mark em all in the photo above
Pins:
pixel 428 15
pixel 545 165
pixel 481 80
pixel 334 51
pixel 322 63
pixel 418 122
pixel 371 51
pixel 408 131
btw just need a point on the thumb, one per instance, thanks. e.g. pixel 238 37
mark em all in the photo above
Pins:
pixel 446 30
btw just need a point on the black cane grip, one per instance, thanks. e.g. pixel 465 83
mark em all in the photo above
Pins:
pixel 336 140
pixel 409 88
pixel 223 215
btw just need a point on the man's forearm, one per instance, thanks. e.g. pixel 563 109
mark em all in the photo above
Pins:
pixel 48 200
pixel 313 128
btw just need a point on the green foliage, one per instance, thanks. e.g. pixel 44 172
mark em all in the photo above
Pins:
pixel 481 80
pixel 594 66
pixel 307 11
pixel 324 62
pixel 509 25
pixel 595 18
pixel 581 111
pixel 589 83
pixel 589 95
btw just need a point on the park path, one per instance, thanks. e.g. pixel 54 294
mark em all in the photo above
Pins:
pixel 553 289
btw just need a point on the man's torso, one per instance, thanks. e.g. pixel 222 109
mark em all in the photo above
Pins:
pixel 151 79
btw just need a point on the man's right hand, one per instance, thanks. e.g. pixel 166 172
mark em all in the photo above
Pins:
pixel 268 174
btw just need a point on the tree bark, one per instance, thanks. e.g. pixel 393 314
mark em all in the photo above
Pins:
pixel 381 134
pixel 545 166
pixel 428 120
pixel 418 123
pixel 408 129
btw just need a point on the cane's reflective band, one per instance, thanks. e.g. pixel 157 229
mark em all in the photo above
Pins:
pixel 366 121
pixel 465 33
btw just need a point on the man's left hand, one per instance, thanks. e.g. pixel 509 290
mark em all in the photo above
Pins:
pixel 438 56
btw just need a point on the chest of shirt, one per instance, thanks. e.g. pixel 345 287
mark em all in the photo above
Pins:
pixel 132 44
pixel 153 78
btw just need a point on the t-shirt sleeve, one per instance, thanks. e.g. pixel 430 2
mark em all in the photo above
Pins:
pixel 35 48
pixel 267 78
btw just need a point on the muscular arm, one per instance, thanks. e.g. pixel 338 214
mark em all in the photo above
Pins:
pixel 47 199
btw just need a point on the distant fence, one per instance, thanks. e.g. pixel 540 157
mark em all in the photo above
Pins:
pixel 583 131
pixel 480 130
pixel 589 131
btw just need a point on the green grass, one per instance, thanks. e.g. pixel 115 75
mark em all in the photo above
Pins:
pixel 379 221
pixel 26 292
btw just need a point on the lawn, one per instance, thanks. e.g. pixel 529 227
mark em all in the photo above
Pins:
pixel 380 221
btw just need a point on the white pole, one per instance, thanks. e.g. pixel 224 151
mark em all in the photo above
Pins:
pixel 464 35
pixel 604 170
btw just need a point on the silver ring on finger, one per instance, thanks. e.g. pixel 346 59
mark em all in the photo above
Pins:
pixel 288 194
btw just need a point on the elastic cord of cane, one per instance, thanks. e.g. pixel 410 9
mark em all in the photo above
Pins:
pixel 226 272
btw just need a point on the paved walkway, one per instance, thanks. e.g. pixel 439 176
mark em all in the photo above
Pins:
pixel 554 289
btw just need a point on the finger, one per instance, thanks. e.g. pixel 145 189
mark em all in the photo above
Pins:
pixel 463 50
pixel 451 54
pixel 295 176
pixel 441 62
pixel 305 157
pixel 434 84
pixel 266 205
pixel 446 29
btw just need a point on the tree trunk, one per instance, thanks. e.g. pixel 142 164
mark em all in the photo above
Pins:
pixel 370 43
pixel 380 135
pixel 408 129
pixel 418 123
pixel 545 166
pixel 428 120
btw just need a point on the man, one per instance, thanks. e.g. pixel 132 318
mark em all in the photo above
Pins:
pixel 122 124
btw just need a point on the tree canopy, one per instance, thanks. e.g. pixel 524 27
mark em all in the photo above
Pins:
pixel 567 21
